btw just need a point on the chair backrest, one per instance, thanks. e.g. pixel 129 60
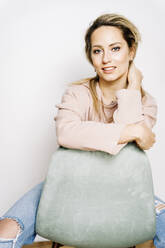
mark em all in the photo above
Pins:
pixel 92 199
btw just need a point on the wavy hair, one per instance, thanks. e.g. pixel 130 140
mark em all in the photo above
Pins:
pixel 130 34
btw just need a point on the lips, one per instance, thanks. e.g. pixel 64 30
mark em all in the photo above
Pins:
pixel 108 68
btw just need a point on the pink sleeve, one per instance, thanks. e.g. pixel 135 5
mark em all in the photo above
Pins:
pixel 133 109
pixel 74 132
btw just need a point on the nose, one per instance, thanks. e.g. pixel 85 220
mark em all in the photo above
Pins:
pixel 106 57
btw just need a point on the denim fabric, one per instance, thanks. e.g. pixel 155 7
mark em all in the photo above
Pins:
pixel 159 239
pixel 25 209
pixel 24 212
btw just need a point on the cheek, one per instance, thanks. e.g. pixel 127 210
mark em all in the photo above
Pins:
pixel 122 60
pixel 96 61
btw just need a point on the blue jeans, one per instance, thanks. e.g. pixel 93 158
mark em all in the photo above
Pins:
pixel 25 209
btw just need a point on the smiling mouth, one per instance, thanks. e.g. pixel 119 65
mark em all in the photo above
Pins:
pixel 109 69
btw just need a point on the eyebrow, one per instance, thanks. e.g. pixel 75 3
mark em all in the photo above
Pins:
pixel 112 44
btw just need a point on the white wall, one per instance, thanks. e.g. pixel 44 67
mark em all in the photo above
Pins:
pixel 41 50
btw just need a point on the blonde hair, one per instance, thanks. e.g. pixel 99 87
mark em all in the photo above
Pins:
pixel 130 34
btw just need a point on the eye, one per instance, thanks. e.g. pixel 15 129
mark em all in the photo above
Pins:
pixel 116 48
pixel 96 51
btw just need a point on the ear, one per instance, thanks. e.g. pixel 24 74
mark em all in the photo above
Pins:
pixel 132 52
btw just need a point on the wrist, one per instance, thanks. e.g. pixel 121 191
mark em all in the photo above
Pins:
pixel 133 131
pixel 136 131
pixel 130 133
pixel 134 86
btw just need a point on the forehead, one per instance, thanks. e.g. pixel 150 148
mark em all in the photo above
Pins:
pixel 106 35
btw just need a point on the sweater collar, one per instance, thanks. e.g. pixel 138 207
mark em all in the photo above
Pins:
pixel 100 97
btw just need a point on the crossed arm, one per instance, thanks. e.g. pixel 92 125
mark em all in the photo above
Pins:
pixel 73 130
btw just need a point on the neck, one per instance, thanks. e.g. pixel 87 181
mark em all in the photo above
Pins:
pixel 110 87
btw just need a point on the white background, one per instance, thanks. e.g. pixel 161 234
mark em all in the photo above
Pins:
pixel 41 51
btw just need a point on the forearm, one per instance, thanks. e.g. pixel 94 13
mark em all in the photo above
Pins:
pixel 87 135
pixel 129 110
pixel 134 86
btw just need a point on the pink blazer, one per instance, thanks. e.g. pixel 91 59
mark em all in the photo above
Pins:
pixel 78 127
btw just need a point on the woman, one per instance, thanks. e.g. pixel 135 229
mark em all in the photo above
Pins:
pixel 101 113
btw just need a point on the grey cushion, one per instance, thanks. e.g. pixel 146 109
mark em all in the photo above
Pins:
pixel 92 199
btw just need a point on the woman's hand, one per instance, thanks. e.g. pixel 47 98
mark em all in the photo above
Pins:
pixel 134 77
pixel 138 132
pixel 145 137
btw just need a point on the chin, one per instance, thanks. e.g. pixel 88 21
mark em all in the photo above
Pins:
pixel 113 77
pixel 110 77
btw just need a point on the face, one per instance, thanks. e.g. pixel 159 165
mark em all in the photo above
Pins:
pixel 110 53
